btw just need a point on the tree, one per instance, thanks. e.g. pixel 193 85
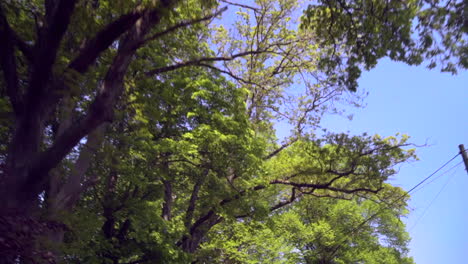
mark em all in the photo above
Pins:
pixel 316 231
pixel 341 234
pixel 119 108
pixel 362 32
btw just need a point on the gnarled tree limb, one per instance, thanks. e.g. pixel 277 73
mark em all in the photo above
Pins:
pixel 181 25
pixel 200 61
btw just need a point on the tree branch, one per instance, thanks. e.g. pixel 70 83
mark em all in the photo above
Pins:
pixel 197 62
pixel 46 49
pixel 103 39
pixel 281 148
pixel 181 25
pixel 192 202
pixel 241 5
pixel 325 186
pixel 69 193
pixel 289 201
pixel 229 73
pixel 100 110
pixel 189 243
pixel 167 205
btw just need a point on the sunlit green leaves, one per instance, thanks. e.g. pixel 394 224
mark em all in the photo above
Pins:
pixel 192 153
pixel 358 33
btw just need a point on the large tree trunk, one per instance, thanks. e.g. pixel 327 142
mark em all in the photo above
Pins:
pixel 27 167
pixel 30 162
pixel 22 184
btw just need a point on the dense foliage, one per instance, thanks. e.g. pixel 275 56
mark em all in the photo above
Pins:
pixel 146 131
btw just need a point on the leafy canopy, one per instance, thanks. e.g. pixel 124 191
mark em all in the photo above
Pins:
pixel 145 131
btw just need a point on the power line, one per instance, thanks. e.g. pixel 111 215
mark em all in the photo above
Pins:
pixel 391 204
pixel 432 174
pixel 436 196
pixel 438 177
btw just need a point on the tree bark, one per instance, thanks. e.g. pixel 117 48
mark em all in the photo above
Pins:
pixel 167 205
pixel 190 243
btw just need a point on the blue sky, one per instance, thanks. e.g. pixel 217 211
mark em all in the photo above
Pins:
pixel 432 108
